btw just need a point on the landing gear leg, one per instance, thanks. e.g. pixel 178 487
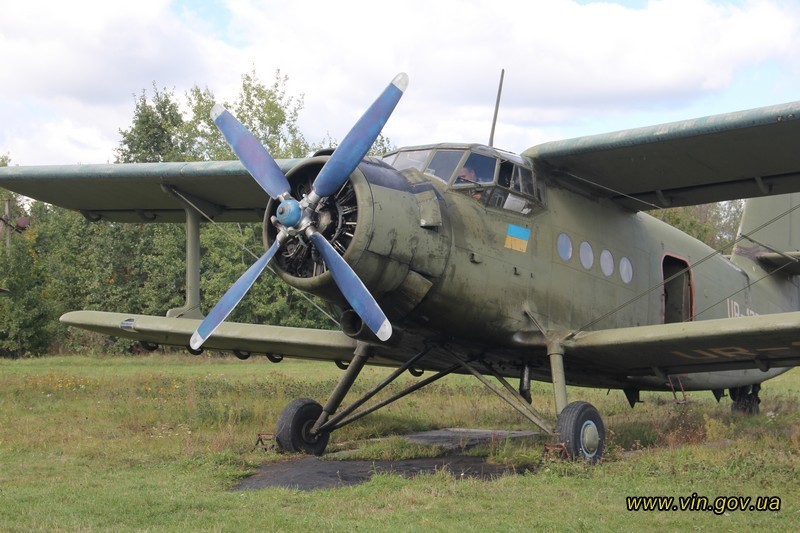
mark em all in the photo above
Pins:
pixel 579 427
pixel 300 421
pixel 745 399
pixel 556 354
pixel 345 382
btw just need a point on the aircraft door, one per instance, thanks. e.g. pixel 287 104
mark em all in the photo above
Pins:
pixel 678 293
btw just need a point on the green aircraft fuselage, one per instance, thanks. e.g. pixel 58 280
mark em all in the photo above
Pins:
pixel 497 264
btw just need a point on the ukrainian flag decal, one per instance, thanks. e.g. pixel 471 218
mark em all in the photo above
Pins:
pixel 517 238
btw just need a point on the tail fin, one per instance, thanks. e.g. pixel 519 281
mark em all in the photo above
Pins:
pixel 771 235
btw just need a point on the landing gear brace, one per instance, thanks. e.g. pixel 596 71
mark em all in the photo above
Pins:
pixel 304 426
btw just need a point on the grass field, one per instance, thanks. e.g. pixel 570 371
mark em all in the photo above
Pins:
pixel 156 442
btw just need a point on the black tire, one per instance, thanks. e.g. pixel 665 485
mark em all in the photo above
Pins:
pixel 738 392
pixel 580 428
pixel 294 424
pixel 745 399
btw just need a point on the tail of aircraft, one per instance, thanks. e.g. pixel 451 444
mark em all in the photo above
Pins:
pixel 771 222
pixel 770 244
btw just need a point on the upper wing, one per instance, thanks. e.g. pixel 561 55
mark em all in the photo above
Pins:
pixel 146 192
pixel 757 342
pixel 722 157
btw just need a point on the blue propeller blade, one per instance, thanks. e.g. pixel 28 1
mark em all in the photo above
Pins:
pixel 231 298
pixel 359 140
pixel 353 289
pixel 251 153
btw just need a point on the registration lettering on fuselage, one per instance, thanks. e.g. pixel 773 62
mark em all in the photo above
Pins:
pixel 737 352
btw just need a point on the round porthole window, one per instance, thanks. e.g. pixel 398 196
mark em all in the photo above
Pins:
pixel 606 262
pixel 587 255
pixel 625 270
pixel 564 246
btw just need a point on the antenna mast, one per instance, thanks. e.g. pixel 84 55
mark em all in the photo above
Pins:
pixel 497 106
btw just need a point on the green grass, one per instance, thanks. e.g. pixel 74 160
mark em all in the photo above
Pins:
pixel 156 442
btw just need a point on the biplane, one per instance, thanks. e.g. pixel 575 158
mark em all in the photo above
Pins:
pixel 463 258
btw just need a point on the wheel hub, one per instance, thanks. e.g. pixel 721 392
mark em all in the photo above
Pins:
pixel 590 438
pixel 305 432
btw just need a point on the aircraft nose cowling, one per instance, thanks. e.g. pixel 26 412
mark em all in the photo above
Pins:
pixel 390 231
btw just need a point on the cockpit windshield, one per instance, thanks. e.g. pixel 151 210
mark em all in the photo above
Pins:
pixel 444 163
pixel 496 178
pixel 408 159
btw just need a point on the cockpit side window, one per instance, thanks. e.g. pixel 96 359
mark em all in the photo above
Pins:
pixel 519 179
pixel 477 169
pixel 444 163
pixel 513 182
pixel 522 181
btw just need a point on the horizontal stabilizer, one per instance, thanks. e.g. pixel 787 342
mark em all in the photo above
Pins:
pixel 787 262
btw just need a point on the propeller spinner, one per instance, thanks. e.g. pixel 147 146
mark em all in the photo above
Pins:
pixel 293 217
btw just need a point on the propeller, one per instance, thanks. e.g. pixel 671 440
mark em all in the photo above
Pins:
pixel 251 153
pixel 293 218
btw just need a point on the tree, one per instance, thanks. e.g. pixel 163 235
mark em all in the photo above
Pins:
pixel 155 134
pixel 271 115
pixel 27 320
pixel 135 268
pixel 24 311
pixel 160 132
pixel 714 224
pixel 200 138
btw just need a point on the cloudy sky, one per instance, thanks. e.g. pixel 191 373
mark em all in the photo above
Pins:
pixel 69 70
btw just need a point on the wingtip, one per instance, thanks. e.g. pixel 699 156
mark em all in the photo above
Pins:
pixel 401 81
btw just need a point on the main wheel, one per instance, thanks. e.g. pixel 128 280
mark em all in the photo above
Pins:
pixel 582 432
pixel 745 399
pixel 294 426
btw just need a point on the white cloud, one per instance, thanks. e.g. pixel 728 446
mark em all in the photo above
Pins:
pixel 570 67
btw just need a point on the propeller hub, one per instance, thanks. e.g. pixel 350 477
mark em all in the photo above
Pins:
pixel 289 213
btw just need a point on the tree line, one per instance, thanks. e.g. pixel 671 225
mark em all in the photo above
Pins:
pixel 63 262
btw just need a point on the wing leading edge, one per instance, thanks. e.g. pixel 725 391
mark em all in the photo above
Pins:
pixel 759 342
pixel 711 159
pixel 291 342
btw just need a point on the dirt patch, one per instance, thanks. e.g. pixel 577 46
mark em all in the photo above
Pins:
pixel 309 473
